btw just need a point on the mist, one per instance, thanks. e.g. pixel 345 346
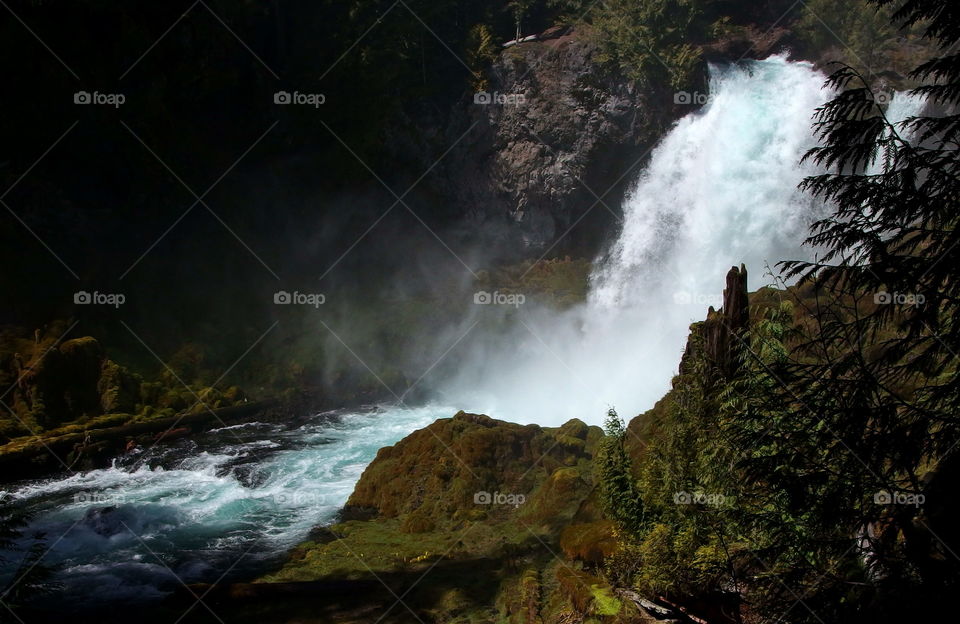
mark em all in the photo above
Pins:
pixel 719 190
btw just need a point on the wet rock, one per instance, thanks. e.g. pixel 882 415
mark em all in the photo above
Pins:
pixel 103 521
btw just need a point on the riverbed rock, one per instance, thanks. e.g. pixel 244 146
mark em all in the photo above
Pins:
pixel 478 503
pixel 475 462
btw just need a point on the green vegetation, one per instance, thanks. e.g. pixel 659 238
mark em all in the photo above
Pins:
pixel 510 549
pixel 606 603
pixel 788 472
pixel 858 33
pixel 817 465
pixel 653 41
pixel 617 488
pixel 62 392
pixel 864 35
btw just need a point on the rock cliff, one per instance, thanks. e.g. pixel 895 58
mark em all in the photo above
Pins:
pixel 556 142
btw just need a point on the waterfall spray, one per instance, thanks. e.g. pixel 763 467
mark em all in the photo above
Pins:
pixel 720 190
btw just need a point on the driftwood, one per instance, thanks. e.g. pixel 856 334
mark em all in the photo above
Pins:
pixel 652 611
pixel 554 32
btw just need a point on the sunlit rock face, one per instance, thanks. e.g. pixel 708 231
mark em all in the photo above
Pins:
pixel 473 465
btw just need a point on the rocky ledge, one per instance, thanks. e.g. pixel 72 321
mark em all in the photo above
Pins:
pixel 470 519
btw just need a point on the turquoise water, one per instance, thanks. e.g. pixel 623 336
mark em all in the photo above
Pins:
pixel 230 501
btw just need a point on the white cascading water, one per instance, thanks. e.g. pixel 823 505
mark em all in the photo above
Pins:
pixel 234 499
pixel 720 190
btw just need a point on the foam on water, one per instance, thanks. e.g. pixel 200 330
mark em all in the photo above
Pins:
pixel 130 532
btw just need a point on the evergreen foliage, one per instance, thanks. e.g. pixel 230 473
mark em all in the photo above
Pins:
pixel 835 441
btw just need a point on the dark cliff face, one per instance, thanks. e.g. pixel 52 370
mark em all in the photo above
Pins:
pixel 564 156
pixel 555 142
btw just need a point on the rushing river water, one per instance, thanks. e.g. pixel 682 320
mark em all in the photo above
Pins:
pixel 229 501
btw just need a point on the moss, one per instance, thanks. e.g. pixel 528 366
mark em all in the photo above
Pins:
pixel 205 400
pixel 605 603
pixel 22 443
pixel 473 515
pixel 571 443
pixel 530 596
pixel 589 542
pixel 417 522
pixel 575 428
pixel 175 400
pixel 428 516
pixel 586 593
pixel 376 545
pixel 556 501
pixel 85 348
pixel 234 395
pixel 119 389
pixel 576 587
pixel 56 388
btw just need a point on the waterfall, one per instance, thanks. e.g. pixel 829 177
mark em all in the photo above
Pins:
pixel 719 190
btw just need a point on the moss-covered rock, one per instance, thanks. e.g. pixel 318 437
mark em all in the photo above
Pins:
pixel 475 461
pixel 590 542
pixel 471 493
pixel 119 388
pixel 206 399
pixel 62 388
pixel 417 522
